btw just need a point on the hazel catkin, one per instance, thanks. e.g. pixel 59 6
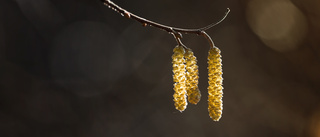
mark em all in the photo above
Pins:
pixel 215 84
pixel 192 76
pixel 179 79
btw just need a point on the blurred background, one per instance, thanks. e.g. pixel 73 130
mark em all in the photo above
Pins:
pixel 75 68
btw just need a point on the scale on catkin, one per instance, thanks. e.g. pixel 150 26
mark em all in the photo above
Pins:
pixel 186 76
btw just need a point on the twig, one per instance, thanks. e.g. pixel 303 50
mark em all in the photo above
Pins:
pixel 178 37
pixel 208 38
pixel 169 29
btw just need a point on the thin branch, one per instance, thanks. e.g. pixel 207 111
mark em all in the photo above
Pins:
pixel 208 38
pixel 169 29
pixel 178 36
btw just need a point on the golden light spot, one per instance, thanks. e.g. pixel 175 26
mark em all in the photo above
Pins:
pixel 278 23
pixel 314 126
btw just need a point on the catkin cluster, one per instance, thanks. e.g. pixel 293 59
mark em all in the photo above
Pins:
pixel 186 76
pixel 192 76
pixel 179 78
pixel 215 84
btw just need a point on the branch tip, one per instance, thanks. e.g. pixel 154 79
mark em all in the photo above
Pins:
pixel 216 23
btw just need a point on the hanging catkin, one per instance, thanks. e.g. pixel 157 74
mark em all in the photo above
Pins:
pixel 215 84
pixel 192 76
pixel 179 78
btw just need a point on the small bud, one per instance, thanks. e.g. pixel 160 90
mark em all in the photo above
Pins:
pixel 144 24
pixel 127 14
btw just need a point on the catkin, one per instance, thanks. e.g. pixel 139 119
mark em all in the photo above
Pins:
pixel 179 78
pixel 215 84
pixel 192 76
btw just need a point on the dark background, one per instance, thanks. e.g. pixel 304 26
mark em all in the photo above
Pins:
pixel 74 68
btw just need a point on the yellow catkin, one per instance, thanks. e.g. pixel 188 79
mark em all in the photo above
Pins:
pixel 215 84
pixel 192 76
pixel 179 79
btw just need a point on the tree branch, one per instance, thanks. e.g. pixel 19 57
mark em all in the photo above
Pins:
pixel 169 29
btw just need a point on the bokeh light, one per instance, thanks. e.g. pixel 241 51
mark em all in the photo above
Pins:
pixel 278 23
